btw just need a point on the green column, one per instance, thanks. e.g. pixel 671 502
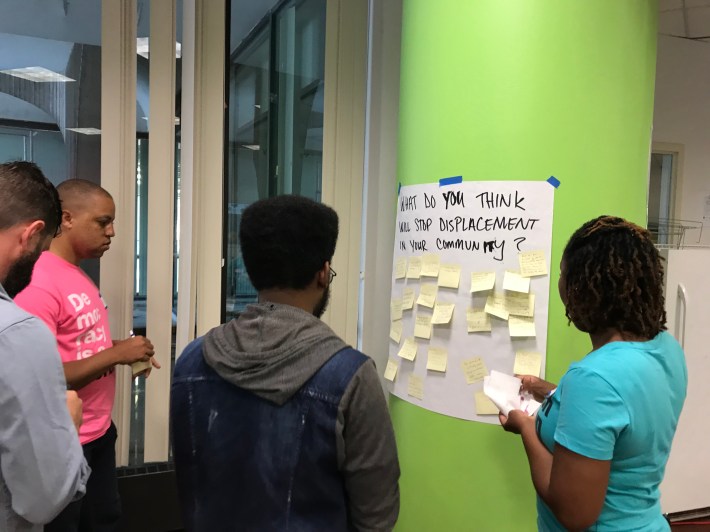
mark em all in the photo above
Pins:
pixel 517 90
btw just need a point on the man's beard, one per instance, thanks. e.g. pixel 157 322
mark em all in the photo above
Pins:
pixel 322 304
pixel 20 273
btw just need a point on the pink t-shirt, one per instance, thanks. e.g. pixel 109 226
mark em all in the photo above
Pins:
pixel 67 300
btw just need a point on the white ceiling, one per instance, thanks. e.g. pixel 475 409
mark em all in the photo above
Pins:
pixel 689 19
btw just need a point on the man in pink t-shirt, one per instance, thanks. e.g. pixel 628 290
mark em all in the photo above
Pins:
pixel 66 299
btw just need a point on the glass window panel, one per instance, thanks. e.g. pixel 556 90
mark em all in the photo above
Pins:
pixel 137 437
pixel 275 118
pixel 50 89
pixel 136 442
pixel 664 229
pixel 300 45
pixel 13 146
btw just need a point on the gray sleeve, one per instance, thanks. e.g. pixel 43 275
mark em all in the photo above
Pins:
pixel 367 453
pixel 41 458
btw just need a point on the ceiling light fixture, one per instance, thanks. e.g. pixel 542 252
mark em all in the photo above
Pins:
pixel 85 130
pixel 37 74
pixel 177 119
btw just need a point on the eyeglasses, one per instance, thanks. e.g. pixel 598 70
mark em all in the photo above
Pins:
pixel 331 274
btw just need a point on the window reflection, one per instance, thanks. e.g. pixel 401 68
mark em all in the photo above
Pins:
pixel 275 121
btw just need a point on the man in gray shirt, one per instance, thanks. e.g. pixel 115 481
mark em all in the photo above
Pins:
pixel 42 466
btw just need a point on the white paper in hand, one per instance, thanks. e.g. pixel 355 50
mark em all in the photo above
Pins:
pixel 528 404
pixel 503 390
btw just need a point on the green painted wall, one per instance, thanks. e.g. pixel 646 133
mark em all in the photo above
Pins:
pixel 517 90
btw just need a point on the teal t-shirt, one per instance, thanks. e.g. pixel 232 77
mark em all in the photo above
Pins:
pixel 620 403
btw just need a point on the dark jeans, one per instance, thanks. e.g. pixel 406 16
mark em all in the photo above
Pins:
pixel 100 509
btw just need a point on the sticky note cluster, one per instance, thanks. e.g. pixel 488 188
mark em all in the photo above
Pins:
pixel 493 298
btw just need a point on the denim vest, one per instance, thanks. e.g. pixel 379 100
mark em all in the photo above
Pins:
pixel 244 463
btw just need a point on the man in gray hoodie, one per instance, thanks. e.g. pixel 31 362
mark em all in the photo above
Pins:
pixel 277 423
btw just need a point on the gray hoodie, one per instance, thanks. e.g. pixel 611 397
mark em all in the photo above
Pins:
pixel 272 350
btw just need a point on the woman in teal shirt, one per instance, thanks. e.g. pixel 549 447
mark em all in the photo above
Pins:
pixel 599 444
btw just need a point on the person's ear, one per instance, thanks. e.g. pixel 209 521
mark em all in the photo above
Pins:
pixel 31 233
pixel 322 276
pixel 67 219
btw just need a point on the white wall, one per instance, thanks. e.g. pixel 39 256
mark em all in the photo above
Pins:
pixel 682 116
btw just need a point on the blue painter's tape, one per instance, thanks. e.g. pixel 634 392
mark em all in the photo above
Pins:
pixel 399 187
pixel 450 180
pixel 553 181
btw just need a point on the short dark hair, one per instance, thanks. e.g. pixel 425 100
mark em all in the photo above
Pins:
pixel 27 195
pixel 285 240
pixel 613 277
pixel 77 190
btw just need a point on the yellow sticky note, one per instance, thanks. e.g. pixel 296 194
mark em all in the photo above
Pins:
pixel 474 369
pixel 449 275
pixel 532 263
pixel 138 368
pixel 422 326
pixel 414 270
pixel 520 304
pixel 427 295
pixel 495 305
pixel 515 282
pixel 527 363
pixel 430 265
pixel 391 370
pixel 415 387
pixel 400 268
pixel 521 326
pixel 481 281
pixel 396 309
pixel 396 330
pixel 409 349
pixel 442 313
pixel 484 406
pixel 477 320
pixel 408 299
pixel 436 359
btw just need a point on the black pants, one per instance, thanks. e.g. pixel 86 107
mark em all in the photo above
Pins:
pixel 100 509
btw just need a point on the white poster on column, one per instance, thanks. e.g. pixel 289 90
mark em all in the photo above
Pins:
pixel 470 290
